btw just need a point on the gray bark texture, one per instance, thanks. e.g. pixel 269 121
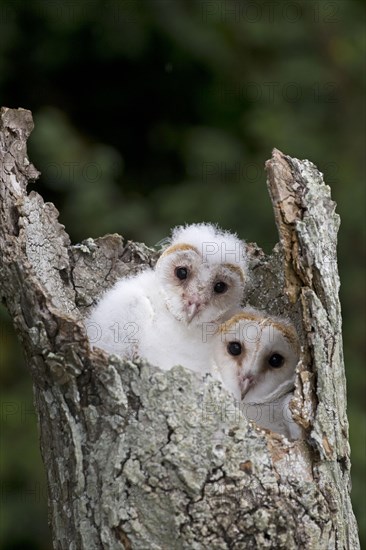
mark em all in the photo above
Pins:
pixel 138 458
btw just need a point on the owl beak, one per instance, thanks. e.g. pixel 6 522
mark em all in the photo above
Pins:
pixel 192 310
pixel 245 384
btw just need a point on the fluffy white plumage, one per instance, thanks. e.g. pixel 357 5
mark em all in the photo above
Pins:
pixel 255 357
pixel 161 314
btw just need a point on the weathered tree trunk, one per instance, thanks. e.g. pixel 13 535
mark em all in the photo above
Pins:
pixel 145 459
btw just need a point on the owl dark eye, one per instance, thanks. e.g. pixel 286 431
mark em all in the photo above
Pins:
pixel 181 273
pixel 234 348
pixel 220 287
pixel 276 360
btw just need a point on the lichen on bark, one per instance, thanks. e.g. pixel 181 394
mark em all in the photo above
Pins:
pixel 140 458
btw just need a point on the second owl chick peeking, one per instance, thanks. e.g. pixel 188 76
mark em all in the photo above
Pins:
pixel 255 356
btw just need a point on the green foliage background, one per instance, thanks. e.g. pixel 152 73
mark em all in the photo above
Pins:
pixel 152 113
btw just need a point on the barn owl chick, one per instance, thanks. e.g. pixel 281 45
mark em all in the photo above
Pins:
pixel 255 356
pixel 159 314
pixel 201 273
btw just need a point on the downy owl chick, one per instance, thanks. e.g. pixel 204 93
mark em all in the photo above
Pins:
pixel 255 357
pixel 159 314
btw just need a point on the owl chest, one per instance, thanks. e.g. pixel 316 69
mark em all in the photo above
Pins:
pixel 166 344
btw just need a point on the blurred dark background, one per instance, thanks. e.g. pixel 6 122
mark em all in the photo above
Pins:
pixel 149 114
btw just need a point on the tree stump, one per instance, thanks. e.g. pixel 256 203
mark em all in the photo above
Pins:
pixel 140 458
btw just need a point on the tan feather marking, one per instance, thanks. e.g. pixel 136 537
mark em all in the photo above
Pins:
pixel 236 269
pixel 287 330
pixel 238 317
pixel 178 248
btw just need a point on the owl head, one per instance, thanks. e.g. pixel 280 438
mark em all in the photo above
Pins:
pixel 202 273
pixel 256 356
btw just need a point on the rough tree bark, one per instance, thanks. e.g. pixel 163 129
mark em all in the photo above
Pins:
pixel 145 459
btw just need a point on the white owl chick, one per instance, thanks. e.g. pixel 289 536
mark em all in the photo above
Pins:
pixel 160 314
pixel 255 357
